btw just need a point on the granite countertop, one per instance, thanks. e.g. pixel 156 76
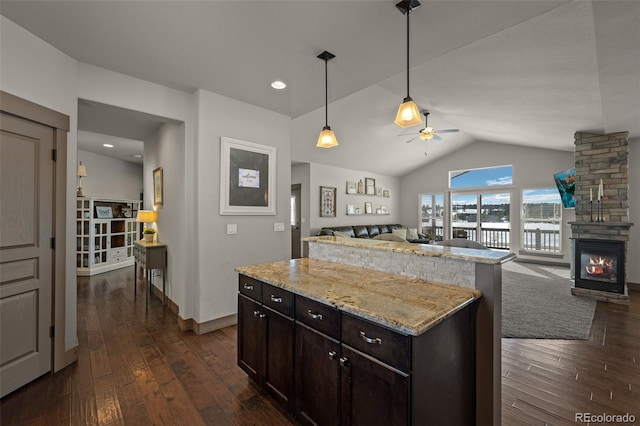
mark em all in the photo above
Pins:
pixel 408 305
pixel 433 250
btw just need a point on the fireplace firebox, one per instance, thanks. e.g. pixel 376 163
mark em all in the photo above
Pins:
pixel 599 265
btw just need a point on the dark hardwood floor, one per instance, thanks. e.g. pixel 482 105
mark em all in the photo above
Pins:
pixel 137 368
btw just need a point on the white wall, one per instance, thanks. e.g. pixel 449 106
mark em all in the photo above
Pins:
pixel 634 212
pixel 109 177
pixel 166 149
pixel 532 168
pixel 34 70
pixel 321 175
pixel 256 241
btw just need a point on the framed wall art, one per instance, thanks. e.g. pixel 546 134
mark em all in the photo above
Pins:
pixel 370 186
pixel 327 201
pixel 247 178
pixel 157 187
pixel 352 187
pixel 367 208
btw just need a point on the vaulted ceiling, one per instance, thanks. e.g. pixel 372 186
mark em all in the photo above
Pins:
pixel 519 72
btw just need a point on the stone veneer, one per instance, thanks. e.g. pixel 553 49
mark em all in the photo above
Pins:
pixel 603 157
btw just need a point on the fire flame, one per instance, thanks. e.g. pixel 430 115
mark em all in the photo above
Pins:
pixel 599 265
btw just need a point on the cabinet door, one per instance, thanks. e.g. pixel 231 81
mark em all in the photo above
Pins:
pixel 372 393
pixel 251 326
pixel 278 376
pixel 317 378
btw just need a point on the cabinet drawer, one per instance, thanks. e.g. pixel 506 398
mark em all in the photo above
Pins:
pixel 386 345
pixel 323 318
pixel 250 287
pixel 278 299
pixel 118 252
pixel 118 258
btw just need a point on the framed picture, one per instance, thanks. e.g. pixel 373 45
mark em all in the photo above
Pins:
pixel 383 210
pixel 358 210
pixel 351 209
pixel 370 186
pixel 157 187
pixel 104 212
pixel 379 191
pixel 367 208
pixel 247 178
pixel 327 201
pixel 352 188
pixel 385 193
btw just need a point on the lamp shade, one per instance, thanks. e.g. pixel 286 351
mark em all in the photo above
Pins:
pixel 82 170
pixel 408 114
pixel 327 138
pixel 146 216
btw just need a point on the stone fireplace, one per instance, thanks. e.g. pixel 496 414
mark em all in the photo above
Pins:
pixel 601 230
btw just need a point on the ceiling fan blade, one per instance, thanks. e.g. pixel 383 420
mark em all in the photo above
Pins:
pixel 449 131
pixel 405 134
pixel 436 138
pixel 411 139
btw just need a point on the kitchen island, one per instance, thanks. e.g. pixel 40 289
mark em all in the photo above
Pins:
pixel 335 343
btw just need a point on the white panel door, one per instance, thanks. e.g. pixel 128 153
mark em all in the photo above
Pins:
pixel 26 257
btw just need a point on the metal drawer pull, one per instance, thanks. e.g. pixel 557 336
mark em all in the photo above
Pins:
pixel 374 341
pixel 276 299
pixel 332 355
pixel 258 314
pixel 344 361
pixel 314 316
pixel 247 286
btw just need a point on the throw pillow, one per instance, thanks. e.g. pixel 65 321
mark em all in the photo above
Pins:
pixel 401 232
pixel 341 234
pixel 412 234
pixel 389 237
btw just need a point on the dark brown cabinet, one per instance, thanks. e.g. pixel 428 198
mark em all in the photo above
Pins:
pixel 317 377
pixel 265 346
pixel 352 371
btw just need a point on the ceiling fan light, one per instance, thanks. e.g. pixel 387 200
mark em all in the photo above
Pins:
pixel 426 136
pixel 327 138
pixel 408 114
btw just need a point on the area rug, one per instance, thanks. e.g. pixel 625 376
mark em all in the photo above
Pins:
pixel 537 303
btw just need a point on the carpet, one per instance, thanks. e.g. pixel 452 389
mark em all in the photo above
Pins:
pixel 537 303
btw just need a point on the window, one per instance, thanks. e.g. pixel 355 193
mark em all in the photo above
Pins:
pixel 293 210
pixel 482 217
pixel 431 215
pixel 481 178
pixel 541 220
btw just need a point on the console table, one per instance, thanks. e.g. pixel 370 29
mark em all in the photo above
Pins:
pixel 150 255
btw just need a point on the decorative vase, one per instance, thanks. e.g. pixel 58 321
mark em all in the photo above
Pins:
pixel 148 237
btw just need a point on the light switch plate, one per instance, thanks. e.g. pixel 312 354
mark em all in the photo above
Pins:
pixel 278 227
pixel 232 229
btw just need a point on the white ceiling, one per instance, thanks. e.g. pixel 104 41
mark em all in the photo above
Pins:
pixel 520 72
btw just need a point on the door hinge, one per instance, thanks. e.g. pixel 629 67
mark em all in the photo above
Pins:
pixel 52 331
pixel 54 154
pixel 53 243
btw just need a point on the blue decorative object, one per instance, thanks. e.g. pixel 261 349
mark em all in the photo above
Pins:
pixel 566 183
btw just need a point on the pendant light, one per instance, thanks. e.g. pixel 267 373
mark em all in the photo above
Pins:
pixel 327 138
pixel 408 113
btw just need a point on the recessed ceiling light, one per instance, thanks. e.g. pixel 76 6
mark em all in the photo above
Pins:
pixel 278 85
pixel 107 145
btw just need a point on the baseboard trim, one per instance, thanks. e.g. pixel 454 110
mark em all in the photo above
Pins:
pixel 633 286
pixel 207 326
pixel 173 307
pixel 541 261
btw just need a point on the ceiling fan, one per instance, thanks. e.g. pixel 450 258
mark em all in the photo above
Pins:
pixel 429 132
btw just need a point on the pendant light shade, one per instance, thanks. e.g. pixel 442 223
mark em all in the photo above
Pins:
pixel 408 112
pixel 327 138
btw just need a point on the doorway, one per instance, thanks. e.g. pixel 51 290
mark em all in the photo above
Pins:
pixel 296 218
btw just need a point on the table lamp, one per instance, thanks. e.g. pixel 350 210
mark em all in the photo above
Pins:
pixel 82 172
pixel 147 216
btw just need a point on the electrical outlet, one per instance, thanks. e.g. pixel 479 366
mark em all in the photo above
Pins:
pixel 232 229
pixel 278 227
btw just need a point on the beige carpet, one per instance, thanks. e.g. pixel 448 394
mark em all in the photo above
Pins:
pixel 537 303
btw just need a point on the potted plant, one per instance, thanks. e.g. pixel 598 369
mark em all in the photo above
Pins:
pixel 148 234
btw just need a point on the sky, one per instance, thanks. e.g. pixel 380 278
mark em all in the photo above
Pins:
pixel 494 176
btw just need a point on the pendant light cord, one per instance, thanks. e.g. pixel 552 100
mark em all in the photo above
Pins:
pixel 408 12
pixel 326 94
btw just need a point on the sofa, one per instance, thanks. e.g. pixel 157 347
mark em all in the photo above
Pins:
pixel 370 231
